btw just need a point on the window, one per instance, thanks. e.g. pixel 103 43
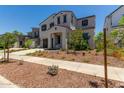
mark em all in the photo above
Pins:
pixel 64 19
pixel 86 36
pixel 20 43
pixel 72 19
pixel 51 25
pixel 58 20
pixel 44 27
pixel 36 34
pixel 85 22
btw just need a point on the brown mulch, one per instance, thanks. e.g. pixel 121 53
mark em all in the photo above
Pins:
pixel 30 75
pixel 90 57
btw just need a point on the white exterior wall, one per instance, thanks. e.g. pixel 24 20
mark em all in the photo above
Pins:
pixel 91 22
pixel 117 15
pixel 90 28
pixel 61 29
pixel 112 21
pixel 91 40
pixel 47 34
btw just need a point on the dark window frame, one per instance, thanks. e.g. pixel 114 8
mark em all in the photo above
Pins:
pixel 72 19
pixel 58 20
pixel 44 27
pixel 64 18
pixel 51 24
pixel 36 34
pixel 85 22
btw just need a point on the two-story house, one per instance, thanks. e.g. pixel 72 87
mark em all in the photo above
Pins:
pixel 112 20
pixel 33 35
pixel 55 29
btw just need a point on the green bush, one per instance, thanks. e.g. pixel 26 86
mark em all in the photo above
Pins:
pixel 77 41
pixel 28 43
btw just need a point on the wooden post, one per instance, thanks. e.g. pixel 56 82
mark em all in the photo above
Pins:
pixel 105 59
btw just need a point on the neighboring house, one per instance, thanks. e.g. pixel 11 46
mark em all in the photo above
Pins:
pixel 112 20
pixel 33 35
pixel 55 29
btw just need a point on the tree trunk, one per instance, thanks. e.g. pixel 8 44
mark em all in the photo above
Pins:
pixel 4 53
pixel 7 54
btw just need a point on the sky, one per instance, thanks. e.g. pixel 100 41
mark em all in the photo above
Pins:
pixel 23 18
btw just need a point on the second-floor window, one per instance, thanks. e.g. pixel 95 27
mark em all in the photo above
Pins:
pixel 64 19
pixel 58 20
pixel 84 22
pixel 72 19
pixel 51 25
pixel 36 34
pixel 44 27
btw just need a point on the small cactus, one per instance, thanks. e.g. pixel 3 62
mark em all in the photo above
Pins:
pixel 53 70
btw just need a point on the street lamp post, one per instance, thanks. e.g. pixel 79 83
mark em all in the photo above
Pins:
pixel 105 59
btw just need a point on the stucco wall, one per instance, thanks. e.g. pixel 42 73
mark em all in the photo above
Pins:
pixel 69 24
pixel 91 22
pixel 117 15
pixel 112 20
pixel 91 33
pixel 55 29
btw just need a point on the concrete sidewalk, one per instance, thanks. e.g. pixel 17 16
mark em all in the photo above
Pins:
pixel 4 83
pixel 97 70
pixel 24 52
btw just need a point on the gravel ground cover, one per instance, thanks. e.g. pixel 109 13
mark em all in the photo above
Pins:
pixel 90 57
pixel 30 75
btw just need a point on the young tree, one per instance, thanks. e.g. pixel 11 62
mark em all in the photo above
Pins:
pixel 77 41
pixel 28 43
pixel 99 41
pixel 3 45
pixel 9 39
pixel 121 21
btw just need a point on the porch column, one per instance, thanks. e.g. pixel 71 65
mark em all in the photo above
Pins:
pixel 64 38
pixel 49 41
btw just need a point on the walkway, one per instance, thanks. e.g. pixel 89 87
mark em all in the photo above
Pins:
pixel 4 83
pixel 97 70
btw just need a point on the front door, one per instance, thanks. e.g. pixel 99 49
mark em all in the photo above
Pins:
pixel 45 43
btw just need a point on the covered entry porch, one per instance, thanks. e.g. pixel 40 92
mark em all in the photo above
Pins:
pixel 56 40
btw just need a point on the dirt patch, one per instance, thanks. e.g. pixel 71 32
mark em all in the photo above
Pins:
pixel 32 75
pixel 90 57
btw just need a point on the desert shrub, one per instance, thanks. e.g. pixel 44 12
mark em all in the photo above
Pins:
pixel 110 52
pixel 94 83
pixel 86 59
pixel 53 70
pixel 89 52
pixel 20 62
pixel 72 59
pixel 83 53
pixel 61 49
pixel 116 54
pixel 63 57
